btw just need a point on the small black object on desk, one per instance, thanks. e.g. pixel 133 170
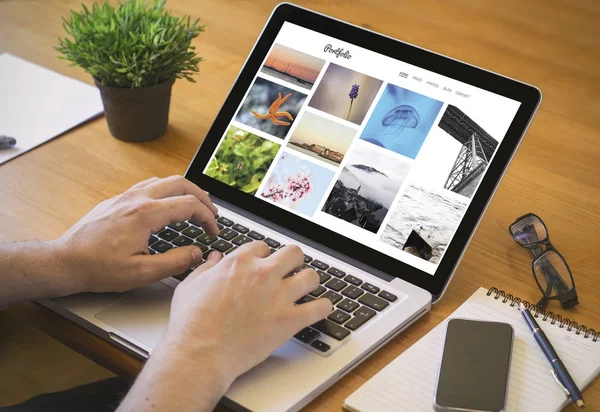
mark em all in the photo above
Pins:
pixel 7 142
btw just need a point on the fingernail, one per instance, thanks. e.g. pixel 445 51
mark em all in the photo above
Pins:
pixel 196 254
pixel 214 256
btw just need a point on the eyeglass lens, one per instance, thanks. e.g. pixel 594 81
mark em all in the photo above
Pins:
pixel 529 230
pixel 552 274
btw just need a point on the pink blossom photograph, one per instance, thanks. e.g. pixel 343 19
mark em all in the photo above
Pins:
pixel 297 184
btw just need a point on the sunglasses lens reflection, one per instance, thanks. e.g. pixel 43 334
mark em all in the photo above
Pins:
pixel 529 230
pixel 552 274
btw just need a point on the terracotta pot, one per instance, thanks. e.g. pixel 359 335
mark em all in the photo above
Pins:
pixel 137 115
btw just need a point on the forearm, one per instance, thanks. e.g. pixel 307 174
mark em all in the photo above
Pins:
pixel 30 271
pixel 178 379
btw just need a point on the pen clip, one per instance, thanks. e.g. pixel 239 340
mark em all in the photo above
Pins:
pixel 560 383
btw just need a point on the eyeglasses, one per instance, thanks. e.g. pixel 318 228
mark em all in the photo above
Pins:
pixel 550 270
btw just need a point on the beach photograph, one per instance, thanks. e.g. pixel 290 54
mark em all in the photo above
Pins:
pixel 321 138
pixel 292 66
pixel 345 93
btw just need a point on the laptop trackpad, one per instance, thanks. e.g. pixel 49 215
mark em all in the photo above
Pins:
pixel 142 314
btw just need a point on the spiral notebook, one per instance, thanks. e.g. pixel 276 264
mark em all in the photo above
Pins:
pixel 408 383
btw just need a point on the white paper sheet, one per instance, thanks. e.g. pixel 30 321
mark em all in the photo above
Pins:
pixel 37 104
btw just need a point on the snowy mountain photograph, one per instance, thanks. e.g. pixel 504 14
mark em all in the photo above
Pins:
pixel 367 186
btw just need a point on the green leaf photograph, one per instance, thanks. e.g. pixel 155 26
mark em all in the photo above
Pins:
pixel 242 160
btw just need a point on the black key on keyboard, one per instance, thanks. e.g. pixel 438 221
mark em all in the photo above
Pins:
pixel 319 265
pixel 332 329
pixel 338 317
pixel 305 299
pixel 225 221
pixel 192 232
pixel 202 247
pixel 221 245
pixel 179 226
pixel 354 280
pixel 220 226
pixel 206 239
pixel 272 243
pixel 306 335
pixel 332 296
pixel 231 250
pixel 388 296
pixel 228 234
pixel 322 346
pixel 150 251
pixel 168 234
pixel 152 239
pixel 370 288
pixel 318 291
pixel 241 240
pixel 240 228
pixel 323 277
pixel 195 222
pixel 255 235
pixel 352 292
pixel 361 316
pixel 184 275
pixel 307 259
pixel 161 246
pixel 273 251
pixel 182 241
pixel 373 301
pixel 348 305
pixel 336 284
pixel 336 272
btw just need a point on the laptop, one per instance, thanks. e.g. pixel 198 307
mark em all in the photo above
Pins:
pixel 375 156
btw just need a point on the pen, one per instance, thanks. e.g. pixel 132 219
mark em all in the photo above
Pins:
pixel 558 368
pixel 7 142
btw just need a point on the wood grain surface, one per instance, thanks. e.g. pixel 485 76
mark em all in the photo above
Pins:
pixel 556 172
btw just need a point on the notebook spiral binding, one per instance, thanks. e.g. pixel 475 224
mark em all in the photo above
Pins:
pixel 545 315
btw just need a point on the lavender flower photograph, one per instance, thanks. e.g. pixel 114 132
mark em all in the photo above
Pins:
pixel 345 93
pixel 423 222
pixel 297 184
pixel 270 107
pixel 401 120
pixel 366 186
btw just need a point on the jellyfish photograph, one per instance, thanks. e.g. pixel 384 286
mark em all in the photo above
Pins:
pixel 401 121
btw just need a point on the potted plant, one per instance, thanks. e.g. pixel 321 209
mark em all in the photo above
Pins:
pixel 134 52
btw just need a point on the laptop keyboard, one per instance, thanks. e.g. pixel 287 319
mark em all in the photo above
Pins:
pixel 355 302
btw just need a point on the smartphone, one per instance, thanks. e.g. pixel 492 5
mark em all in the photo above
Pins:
pixel 473 374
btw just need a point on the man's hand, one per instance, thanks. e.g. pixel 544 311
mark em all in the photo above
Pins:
pixel 107 250
pixel 229 315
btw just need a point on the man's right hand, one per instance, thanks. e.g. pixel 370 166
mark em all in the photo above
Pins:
pixel 229 315
pixel 242 305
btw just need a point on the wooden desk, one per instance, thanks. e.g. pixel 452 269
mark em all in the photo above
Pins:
pixel 553 45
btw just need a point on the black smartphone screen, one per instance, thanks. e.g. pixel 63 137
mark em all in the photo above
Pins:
pixel 475 363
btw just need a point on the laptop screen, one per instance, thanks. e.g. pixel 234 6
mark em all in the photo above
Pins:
pixel 383 152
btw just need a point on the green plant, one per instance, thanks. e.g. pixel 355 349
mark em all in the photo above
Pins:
pixel 135 45
pixel 242 160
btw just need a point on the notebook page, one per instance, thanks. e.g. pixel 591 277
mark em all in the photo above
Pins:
pixel 408 383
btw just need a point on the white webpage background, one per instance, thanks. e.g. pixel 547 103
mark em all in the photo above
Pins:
pixel 492 112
